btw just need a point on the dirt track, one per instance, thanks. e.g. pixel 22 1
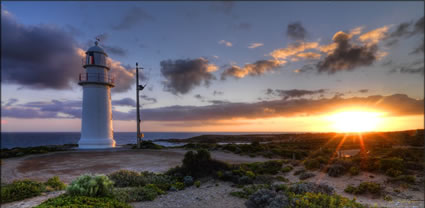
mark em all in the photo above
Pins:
pixel 69 165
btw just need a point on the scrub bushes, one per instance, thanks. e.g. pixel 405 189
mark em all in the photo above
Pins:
pixel 66 201
pixel 54 184
pixel 19 190
pixel 126 178
pixel 364 188
pixel 93 186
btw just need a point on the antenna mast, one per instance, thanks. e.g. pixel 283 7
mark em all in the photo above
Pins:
pixel 138 88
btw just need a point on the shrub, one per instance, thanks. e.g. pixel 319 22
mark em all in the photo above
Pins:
pixel 312 164
pixel 248 190
pixel 268 167
pixel 145 144
pixel 66 201
pixel 287 168
pixel 299 171
pixel 354 171
pixel 198 165
pixel 304 187
pixel 363 188
pixel 164 182
pixel 19 190
pixel 198 184
pixel 336 170
pixel 267 198
pixel 321 200
pixel 403 178
pixel 304 176
pixel 281 178
pixel 125 178
pixel 188 181
pixel 393 162
pixel 250 174
pixel 55 183
pixel 179 185
pixel 393 172
pixel 88 185
pixel 149 192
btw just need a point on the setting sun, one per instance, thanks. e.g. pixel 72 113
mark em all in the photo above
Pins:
pixel 355 121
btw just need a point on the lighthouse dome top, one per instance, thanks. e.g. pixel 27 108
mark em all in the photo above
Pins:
pixel 96 48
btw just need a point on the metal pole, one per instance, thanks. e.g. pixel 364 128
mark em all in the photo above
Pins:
pixel 138 114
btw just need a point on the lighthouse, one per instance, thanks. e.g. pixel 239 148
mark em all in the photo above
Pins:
pixel 96 123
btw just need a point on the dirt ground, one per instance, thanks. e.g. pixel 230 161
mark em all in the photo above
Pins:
pixel 68 165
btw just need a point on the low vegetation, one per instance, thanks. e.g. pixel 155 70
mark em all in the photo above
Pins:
pixel 83 202
pixel 22 189
pixel 364 188
pixel 22 151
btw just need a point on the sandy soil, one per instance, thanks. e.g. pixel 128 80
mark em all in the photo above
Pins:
pixel 69 165
pixel 32 202
pixel 412 197
pixel 208 195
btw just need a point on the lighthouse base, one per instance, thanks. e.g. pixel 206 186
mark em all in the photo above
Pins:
pixel 96 143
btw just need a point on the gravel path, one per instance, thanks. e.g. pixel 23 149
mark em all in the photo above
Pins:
pixel 207 196
pixel 32 202
pixel 71 164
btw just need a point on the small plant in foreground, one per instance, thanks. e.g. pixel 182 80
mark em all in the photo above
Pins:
pixel 88 185
pixel 354 171
pixel 188 181
pixel 66 201
pixel 304 176
pixel 21 189
pixel 126 178
pixel 198 184
pixel 364 187
pixel 55 184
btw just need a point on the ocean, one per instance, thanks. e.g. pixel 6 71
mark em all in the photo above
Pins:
pixel 32 139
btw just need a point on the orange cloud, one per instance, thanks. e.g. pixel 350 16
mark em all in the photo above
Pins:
pixel 374 36
pixel 293 49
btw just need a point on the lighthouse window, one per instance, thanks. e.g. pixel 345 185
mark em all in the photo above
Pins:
pixel 90 58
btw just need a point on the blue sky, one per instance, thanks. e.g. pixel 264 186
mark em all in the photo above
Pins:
pixel 152 32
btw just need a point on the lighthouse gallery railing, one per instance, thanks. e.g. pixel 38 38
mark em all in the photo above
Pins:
pixel 97 78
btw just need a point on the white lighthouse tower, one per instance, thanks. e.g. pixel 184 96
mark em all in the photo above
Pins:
pixel 96 124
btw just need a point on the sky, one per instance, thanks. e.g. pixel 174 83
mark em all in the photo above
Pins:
pixel 229 66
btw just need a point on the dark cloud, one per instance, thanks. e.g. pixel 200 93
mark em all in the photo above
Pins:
pixel 218 102
pixel 305 68
pixel 38 56
pixel 133 17
pixel 243 26
pixel 149 99
pixel 416 67
pixel 296 31
pixel 225 7
pixel 198 96
pixel 255 69
pixel 215 93
pixel 406 30
pixel 394 105
pixel 45 57
pixel 182 75
pixel 347 56
pixel 124 102
pixel 363 90
pixel 293 93
pixel 115 50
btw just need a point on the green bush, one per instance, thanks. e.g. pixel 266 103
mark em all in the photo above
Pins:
pixel 179 185
pixel 198 165
pixel 336 170
pixel 55 184
pixel 162 181
pixel 269 167
pixel 306 175
pixel 249 190
pixel 403 178
pixel 312 164
pixel 134 194
pixel 363 188
pixel 145 144
pixel 354 171
pixel 67 201
pixel 298 172
pixel 126 178
pixel 393 162
pixel 393 172
pixel 287 168
pixel 319 200
pixel 198 184
pixel 19 190
pixel 88 185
